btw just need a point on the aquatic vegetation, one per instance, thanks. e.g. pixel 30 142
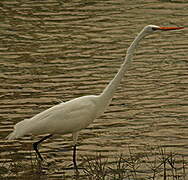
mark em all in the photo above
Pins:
pixel 154 163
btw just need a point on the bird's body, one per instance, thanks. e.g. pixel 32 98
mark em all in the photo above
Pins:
pixel 63 118
pixel 77 114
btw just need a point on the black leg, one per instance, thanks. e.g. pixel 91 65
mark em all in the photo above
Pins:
pixel 35 145
pixel 74 158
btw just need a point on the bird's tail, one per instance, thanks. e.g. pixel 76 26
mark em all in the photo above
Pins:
pixel 12 136
pixel 19 130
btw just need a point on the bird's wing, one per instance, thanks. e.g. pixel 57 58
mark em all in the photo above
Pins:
pixel 48 112
pixel 65 117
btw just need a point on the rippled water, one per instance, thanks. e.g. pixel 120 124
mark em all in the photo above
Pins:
pixel 56 50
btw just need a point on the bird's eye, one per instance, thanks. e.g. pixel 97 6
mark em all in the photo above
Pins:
pixel 154 28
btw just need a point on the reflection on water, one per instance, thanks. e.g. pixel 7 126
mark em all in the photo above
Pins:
pixel 58 50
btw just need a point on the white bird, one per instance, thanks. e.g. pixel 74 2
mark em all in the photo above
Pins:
pixel 75 115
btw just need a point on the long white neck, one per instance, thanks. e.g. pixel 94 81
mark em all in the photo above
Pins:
pixel 108 92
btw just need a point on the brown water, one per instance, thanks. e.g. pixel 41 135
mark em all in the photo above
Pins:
pixel 56 50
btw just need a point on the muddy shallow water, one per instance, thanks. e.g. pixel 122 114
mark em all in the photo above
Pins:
pixel 54 51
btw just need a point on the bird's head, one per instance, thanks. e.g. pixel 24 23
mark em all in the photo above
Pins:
pixel 149 29
pixel 153 28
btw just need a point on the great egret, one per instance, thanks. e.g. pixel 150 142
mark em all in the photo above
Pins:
pixel 77 114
